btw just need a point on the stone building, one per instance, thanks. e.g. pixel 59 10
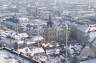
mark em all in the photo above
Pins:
pixel 54 32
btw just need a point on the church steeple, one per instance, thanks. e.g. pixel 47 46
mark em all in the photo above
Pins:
pixel 49 23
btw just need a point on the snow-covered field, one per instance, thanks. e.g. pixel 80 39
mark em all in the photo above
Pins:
pixel 7 57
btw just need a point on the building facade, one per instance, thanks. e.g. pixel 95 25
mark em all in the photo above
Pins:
pixel 54 32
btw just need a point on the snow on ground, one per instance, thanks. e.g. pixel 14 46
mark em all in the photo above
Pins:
pixel 70 49
pixel 12 60
pixel 92 28
pixel 6 40
pixel 78 47
pixel 75 48
pixel 53 51
pixel 92 35
pixel 89 61
pixel 94 43
pixel 51 60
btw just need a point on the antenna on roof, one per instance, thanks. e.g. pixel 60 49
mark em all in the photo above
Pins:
pixel 66 40
pixel 55 4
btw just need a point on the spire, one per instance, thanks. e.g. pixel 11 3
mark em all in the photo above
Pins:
pixel 49 23
pixel 15 19
pixel 50 18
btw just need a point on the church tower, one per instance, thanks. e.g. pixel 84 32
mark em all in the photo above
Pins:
pixel 50 23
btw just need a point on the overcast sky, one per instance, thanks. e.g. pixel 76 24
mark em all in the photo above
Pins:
pixel 67 1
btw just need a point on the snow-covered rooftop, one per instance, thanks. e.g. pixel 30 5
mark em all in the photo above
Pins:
pixel 21 35
pixel 32 51
pixel 37 38
pixel 7 57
